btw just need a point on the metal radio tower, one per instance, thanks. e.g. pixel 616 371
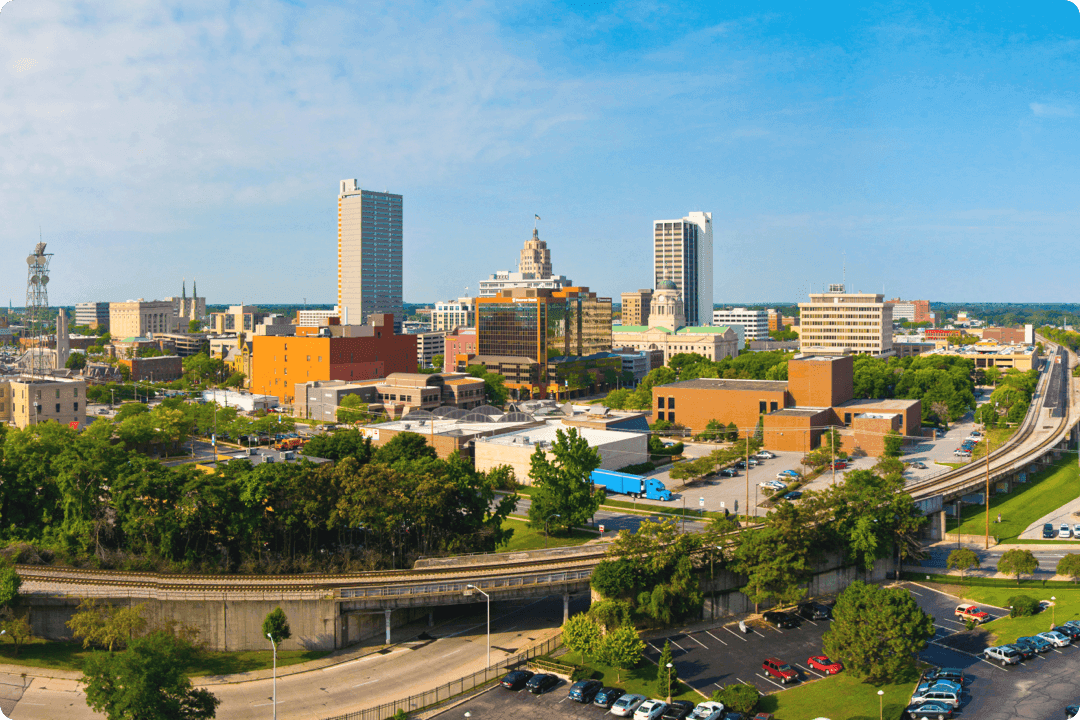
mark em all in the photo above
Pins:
pixel 37 303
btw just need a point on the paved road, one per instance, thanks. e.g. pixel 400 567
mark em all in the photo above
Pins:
pixel 1048 557
pixel 458 649
pixel 613 520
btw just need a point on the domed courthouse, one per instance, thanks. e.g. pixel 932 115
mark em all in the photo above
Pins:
pixel 666 330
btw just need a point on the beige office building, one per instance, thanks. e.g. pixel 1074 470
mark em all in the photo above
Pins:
pixel 450 315
pixel 683 254
pixel 139 317
pixel 635 307
pixel 27 401
pixel 369 255
pixel 842 323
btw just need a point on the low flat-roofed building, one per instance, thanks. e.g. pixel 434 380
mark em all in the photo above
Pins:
pixel 257 456
pixel 248 402
pixel 911 348
pixel 26 401
pixel 990 354
pixel 617 448
pixel 448 435
pixel 395 396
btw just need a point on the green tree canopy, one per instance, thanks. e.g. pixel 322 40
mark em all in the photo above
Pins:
pixel 877 632
pixel 622 649
pixel 962 559
pixel 581 634
pixel 276 626
pixel 1069 566
pixel 1017 562
pixel 563 484
pixel 146 682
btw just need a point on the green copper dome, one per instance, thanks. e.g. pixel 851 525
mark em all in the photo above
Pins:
pixel 666 285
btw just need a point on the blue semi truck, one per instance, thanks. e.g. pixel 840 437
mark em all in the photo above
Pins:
pixel 633 485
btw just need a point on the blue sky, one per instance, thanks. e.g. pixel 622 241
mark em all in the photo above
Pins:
pixel 932 145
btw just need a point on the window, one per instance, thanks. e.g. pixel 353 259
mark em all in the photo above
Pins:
pixel 286 358
pixel 660 402
pixel 761 406
pixel 320 358
pixel 901 420
pixel 76 407
pixel 659 416
pixel 309 358
pixel 76 392
pixel 847 418
pixel 772 407
pixel 286 371
pixel 671 417
pixel 286 347
pixel 670 403
pixel 57 407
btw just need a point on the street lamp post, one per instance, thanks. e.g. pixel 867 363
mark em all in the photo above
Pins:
pixel 1053 612
pixel 881 704
pixel 669 666
pixel 546 528
pixel 488 598
pixel 275 673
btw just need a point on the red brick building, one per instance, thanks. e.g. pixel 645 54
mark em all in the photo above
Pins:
pixel 459 348
pixel 795 412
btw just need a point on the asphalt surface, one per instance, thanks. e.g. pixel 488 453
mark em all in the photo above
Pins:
pixel 988 559
pixel 614 520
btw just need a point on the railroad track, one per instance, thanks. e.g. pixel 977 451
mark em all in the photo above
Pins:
pixel 972 475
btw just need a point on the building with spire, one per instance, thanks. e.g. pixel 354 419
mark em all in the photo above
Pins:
pixel 186 309
pixel 534 272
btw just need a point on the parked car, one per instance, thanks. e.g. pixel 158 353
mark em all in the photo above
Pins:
pixel 626 705
pixel 789 473
pixel 1067 622
pixel 773 485
pixel 1026 652
pixel 708 710
pixel 583 691
pixel 1035 643
pixel 815 611
pixel 824 664
pixel 650 710
pixel 918 465
pixel 516 680
pixel 1048 530
pixel 1072 712
pixel 779 670
pixel 793 495
pixel 781 619
pixel 839 464
pixel 763 455
pixel 741 464
pixel 955 675
pixel 1006 655
pixel 975 434
pixel 924 687
pixel 929 709
pixel 945 695
pixel 541 683
pixel 729 472
pixel 1076 530
pixel 678 710
pixel 1055 638
pixel 968 611
pixel 607 697
pixel 1064 531
pixel 1071 631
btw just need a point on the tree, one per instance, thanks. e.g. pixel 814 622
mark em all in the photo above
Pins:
pixel 16 628
pixel 10 582
pixel 1070 565
pixel 276 625
pixel 194 326
pixel 563 485
pixel 351 409
pixel 406 447
pixel 146 682
pixel 732 431
pixel 437 362
pixel 941 410
pixel 894 441
pixel 107 626
pixel 1018 562
pixel 667 678
pixel 235 380
pixel 581 634
pixel 877 632
pixel 962 559
pixel 76 361
pixel 739 697
pixel 613 578
pixel 622 649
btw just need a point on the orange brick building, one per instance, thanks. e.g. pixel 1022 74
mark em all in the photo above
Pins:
pixel 334 352
pixel 795 412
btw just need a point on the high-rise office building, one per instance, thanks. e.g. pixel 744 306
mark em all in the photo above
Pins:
pixel 534 272
pixel 683 254
pixel 636 307
pixel 369 255
pixel 839 323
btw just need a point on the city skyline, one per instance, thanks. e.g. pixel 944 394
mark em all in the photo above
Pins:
pixel 196 140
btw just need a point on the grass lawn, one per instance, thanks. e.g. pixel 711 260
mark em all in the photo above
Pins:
pixel 71 655
pixel 1007 629
pixel 840 696
pixel 640 680
pixel 1043 493
pixel 526 538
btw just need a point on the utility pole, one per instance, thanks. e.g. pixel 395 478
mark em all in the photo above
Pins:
pixel 832 453
pixel 987 493
pixel 747 479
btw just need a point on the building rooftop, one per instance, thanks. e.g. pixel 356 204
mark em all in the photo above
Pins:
pixel 798 412
pixel 547 434
pixel 633 328
pixel 702 330
pixel 724 384
pixel 447 426
pixel 885 404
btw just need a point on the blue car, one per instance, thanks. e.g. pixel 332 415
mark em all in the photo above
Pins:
pixel 1035 643
pixel 583 691
pixel 607 697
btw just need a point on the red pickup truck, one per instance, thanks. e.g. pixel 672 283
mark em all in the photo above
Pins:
pixel 972 612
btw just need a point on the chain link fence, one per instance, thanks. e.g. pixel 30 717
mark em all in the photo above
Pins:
pixel 426 699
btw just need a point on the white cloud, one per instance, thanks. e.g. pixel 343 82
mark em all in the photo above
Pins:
pixel 1051 111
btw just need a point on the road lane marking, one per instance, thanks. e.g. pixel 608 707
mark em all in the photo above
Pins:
pixel 451 653
pixel 698 642
pixel 715 638
pixel 366 683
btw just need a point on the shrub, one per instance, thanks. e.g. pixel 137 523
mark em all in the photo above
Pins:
pixel 613 578
pixel 638 469
pixel 1023 606
pixel 738 697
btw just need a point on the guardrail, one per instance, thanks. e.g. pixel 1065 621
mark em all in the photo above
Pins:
pixel 456 587
pixel 415 703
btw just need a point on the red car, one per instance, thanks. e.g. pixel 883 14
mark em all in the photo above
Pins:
pixel 839 465
pixel 780 670
pixel 824 664
pixel 968 611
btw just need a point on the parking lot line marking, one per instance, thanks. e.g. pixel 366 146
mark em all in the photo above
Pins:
pixel 678 645
pixel 698 642
pixel 736 635
pixel 715 638
pixel 811 622
pixel 809 670
pixel 654 647
pixel 915 593
pixel 759 634
pixel 767 679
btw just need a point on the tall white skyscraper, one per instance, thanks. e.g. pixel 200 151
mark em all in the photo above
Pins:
pixel 369 254
pixel 683 254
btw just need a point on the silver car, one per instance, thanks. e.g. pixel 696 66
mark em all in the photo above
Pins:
pixel 626 705
pixel 1005 654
